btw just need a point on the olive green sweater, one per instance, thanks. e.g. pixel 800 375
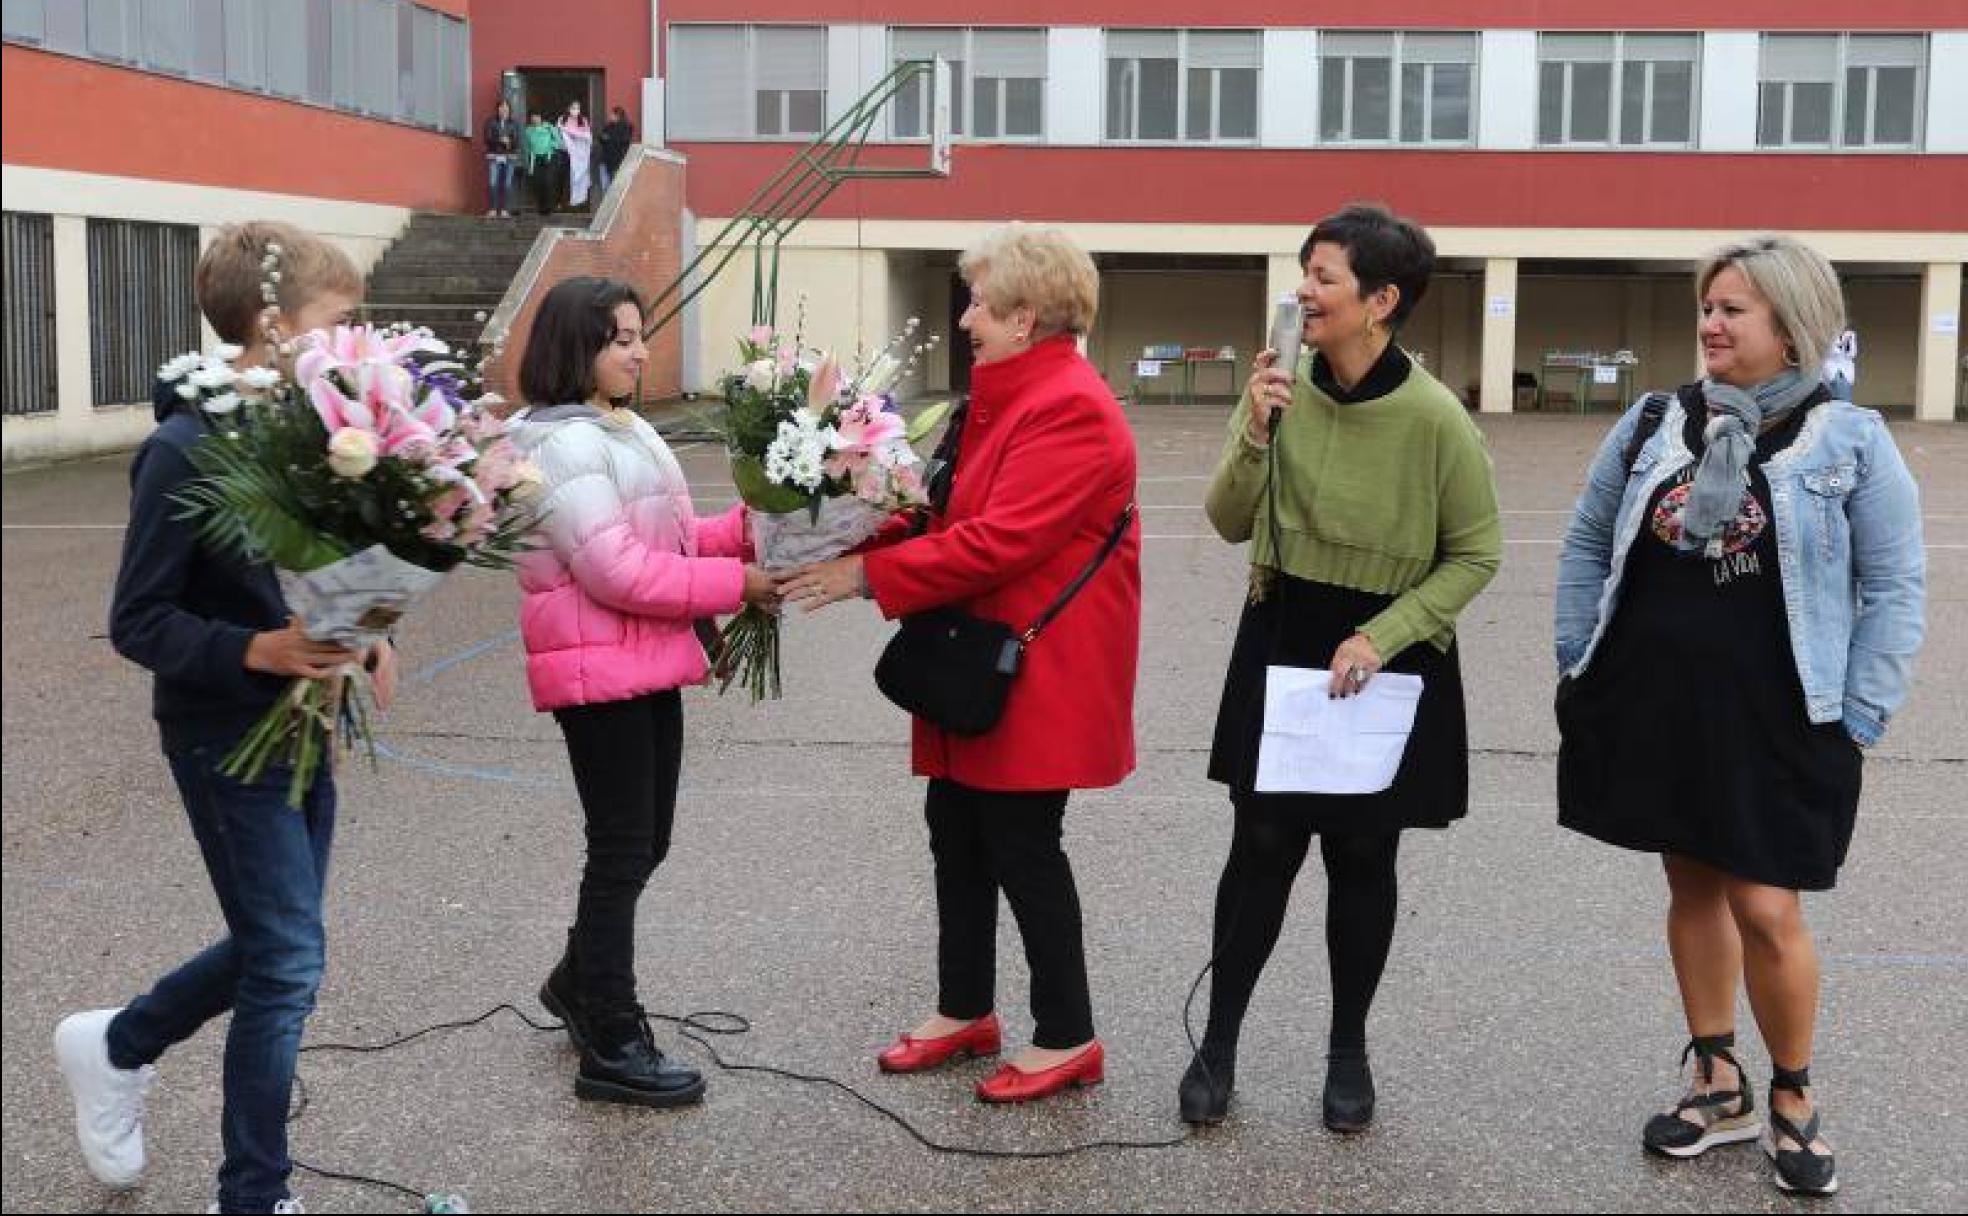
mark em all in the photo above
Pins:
pixel 1393 495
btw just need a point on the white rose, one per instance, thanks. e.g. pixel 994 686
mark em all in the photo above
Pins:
pixel 760 375
pixel 351 452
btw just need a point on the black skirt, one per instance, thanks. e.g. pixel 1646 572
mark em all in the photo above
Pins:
pixel 1299 624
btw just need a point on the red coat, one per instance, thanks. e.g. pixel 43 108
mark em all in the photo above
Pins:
pixel 1046 468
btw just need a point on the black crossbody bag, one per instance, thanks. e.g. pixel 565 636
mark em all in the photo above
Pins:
pixel 954 669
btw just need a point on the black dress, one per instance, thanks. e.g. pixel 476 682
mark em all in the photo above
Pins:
pixel 1688 732
pixel 1300 623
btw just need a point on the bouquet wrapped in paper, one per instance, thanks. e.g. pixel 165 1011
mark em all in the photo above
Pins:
pixel 823 457
pixel 363 478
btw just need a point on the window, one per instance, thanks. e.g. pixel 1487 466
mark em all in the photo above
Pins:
pixel 1657 89
pixel 141 310
pixel 1628 89
pixel 1207 78
pixel 22 21
pixel 208 41
pixel 1221 70
pixel 737 81
pixel 166 35
pixel 29 256
pixel 997 78
pixel 1853 91
pixel 391 59
pixel 1358 100
pixel 911 106
pixel 790 80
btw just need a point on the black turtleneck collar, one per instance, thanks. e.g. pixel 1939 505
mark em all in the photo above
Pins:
pixel 1388 373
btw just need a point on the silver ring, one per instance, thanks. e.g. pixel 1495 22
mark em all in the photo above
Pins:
pixel 1357 674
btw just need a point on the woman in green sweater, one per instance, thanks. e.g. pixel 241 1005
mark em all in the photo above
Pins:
pixel 1380 528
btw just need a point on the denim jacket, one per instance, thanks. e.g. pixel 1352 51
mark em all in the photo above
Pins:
pixel 1849 551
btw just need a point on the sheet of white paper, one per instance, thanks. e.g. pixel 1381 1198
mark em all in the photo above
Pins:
pixel 1316 744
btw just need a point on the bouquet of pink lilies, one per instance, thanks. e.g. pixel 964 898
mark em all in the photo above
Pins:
pixel 364 477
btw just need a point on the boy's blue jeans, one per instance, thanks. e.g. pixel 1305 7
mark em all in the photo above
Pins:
pixel 267 862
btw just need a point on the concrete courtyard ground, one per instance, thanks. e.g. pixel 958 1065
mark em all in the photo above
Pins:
pixel 1526 1027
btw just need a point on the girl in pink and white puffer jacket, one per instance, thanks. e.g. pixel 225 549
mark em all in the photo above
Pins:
pixel 626 568
pixel 624 572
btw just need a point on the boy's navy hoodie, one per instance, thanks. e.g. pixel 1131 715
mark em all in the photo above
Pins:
pixel 182 610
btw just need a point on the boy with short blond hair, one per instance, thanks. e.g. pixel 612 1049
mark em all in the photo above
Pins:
pixel 216 633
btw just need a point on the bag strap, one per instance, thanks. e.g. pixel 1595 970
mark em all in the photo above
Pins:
pixel 1107 547
pixel 1652 410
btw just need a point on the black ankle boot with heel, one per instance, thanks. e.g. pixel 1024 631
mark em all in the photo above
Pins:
pixel 1348 1104
pixel 1207 1085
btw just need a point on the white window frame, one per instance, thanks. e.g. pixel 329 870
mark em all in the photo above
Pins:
pixel 1841 68
pixel 1398 63
pixel 751 89
pixel 1624 58
pixel 965 77
pixel 1184 62
pixel 249 36
pixel 1647 64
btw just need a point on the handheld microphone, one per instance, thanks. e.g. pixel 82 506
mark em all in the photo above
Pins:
pixel 1287 330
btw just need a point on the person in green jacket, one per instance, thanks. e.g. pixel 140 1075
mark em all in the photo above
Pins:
pixel 1372 521
pixel 542 145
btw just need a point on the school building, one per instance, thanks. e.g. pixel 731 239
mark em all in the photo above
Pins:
pixel 1572 162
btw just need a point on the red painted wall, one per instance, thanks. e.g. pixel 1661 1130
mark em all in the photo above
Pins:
pixel 1461 189
pixel 68 113
pixel 1407 14
pixel 612 35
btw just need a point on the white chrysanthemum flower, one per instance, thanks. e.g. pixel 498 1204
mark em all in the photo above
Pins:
pixel 188 391
pixel 227 351
pixel 212 375
pixel 806 472
pixel 259 379
pixel 224 403
pixel 178 368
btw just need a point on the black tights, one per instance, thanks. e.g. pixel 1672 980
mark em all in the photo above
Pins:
pixel 1266 851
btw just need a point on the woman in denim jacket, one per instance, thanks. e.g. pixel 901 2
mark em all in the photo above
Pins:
pixel 1740 597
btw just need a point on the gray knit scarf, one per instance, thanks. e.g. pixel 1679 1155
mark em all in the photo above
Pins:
pixel 1734 418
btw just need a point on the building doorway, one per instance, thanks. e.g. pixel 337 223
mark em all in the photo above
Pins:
pixel 961 356
pixel 549 91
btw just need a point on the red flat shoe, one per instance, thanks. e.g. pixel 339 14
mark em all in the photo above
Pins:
pixel 1008 1084
pixel 910 1054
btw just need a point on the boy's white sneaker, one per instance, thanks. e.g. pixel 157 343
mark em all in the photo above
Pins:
pixel 109 1101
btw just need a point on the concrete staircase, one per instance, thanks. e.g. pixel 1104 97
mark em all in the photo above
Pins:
pixel 448 272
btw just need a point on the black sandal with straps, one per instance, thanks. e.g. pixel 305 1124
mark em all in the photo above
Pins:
pixel 1800 1171
pixel 1725 1116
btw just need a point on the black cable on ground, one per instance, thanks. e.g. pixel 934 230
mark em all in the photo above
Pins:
pixel 696 1027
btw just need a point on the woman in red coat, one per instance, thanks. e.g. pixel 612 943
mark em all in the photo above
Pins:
pixel 1045 471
